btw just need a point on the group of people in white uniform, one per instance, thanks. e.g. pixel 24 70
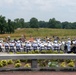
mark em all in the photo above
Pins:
pixel 37 45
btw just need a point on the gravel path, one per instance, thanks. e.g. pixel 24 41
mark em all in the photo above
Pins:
pixel 37 73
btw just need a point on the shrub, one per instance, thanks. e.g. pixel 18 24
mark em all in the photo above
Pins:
pixel 42 63
pixel 18 65
pixel 31 52
pixel 17 61
pixel 10 61
pixel 1 65
pixel 63 64
pixel 4 62
pixel 53 64
pixel 21 52
pixel 61 52
pixel 71 64
pixel 36 51
pixel 55 52
pixel 18 52
pixel 49 51
pixel 70 60
pixel 27 66
pixel 43 51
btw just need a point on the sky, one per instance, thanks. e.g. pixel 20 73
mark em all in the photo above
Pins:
pixel 61 10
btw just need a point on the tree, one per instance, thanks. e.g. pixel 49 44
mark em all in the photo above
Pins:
pixel 2 24
pixel 34 23
pixel 42 24
pixel 58 24
pixel 52 23
pixel 65 25
pixel 16 23
pixel 21 22
pixel 10 28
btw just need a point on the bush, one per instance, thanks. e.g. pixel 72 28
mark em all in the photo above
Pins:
pixel 37 51
pixel 18 52
pixel 63 64
pixel 53 64
pixel 31 52
pixel 70 60
pixel 4 62
pixel 18 65
pixel 1 65
pixel 71 64
pixel 27 66
pixel 10 61
pixel 42 63
pixel 21 52
pixel 49 51
pixel 55 52
pixel 17 61
pixel 43 51
pixel 61 52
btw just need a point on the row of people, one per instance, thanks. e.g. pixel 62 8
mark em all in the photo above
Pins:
pixel 36 45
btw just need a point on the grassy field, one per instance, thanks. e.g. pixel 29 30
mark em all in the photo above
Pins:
pixel 42 32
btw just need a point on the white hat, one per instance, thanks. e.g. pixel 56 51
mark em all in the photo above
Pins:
pixel 18 41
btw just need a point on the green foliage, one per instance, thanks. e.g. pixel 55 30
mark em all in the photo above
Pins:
pixel 27 66
pixel 63 64
pixel 52 64
pixel 37 51
pixel 1 65
pixel 17 61
pixel 49 51
pixel 70 60
pixel 61 52
pixel 43 51
pixel 71 64
pixel 31 52
pixel 10 61
pixel 2 24
pixel 10 26
pixel 4 62
pixel 55 52
pixel 42 63
pixel 21 52
pixel 34 23
pixel 17 65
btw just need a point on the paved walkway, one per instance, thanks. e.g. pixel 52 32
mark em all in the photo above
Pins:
pixel 37 73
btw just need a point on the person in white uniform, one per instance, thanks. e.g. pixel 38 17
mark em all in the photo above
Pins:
pixel 12 45
pixel 68 45
pixel 6 45
pixel 18 46
pixel 42 47
pixel 35 46
pixel 49 45
pixel 28 46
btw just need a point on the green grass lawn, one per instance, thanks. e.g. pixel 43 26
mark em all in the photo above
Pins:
pixel 42 32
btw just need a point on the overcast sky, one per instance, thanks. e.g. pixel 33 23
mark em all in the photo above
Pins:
pixel 62 10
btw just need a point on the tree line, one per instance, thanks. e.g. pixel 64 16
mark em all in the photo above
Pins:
pixel 9 26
